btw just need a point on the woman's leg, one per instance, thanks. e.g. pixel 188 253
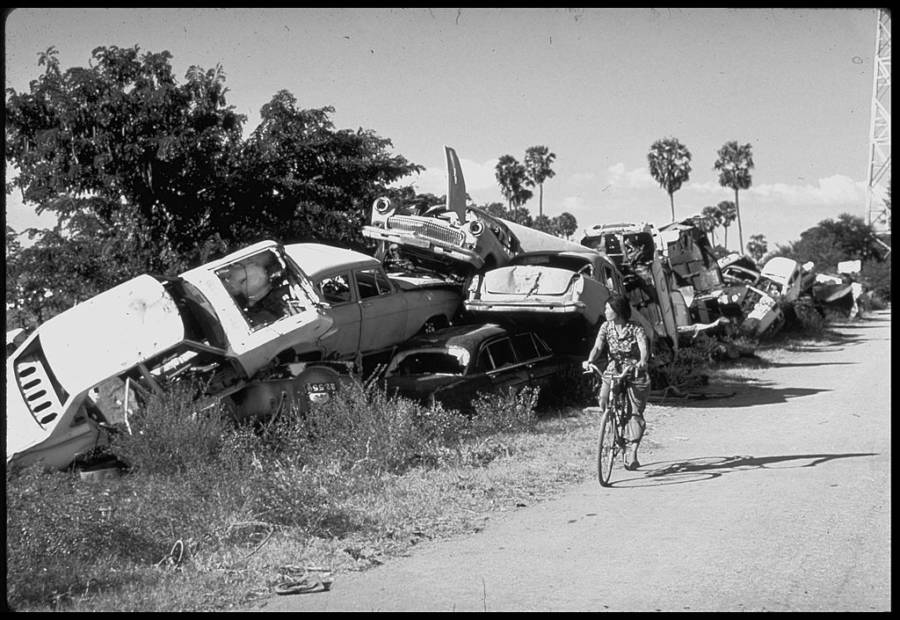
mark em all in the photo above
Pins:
pixel 638 393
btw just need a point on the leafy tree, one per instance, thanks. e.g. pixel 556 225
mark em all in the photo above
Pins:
pixel 757 247
pixel 306 180
pixel 566 224
pixel 729 213
pixel 714 216
pixel 734 164
pixel 537 165
pixel 670 166
pixel 545 224
pixel 832 241
pixel 497 210
pixel 511 176
pixel 148 175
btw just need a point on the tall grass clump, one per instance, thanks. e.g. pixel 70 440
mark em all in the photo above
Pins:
pixel 198 479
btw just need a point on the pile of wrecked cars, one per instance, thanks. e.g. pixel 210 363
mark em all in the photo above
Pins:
pixel 454 302
pixel 266 327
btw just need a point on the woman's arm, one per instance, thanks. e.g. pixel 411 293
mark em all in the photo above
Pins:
pixel 643 347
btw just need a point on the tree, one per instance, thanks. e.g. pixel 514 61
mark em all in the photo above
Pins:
pixel 734 164
pixel 566 224
pixel 670 166
pixel 545 224
pixel 757 247
pixel 714 216
pixel 306 180
pixel 511 176
pixel 537 166
pixel 123 134
pixel 832 241
pixel 149 175
pixel 729 213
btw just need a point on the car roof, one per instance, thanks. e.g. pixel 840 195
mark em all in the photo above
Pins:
pixel 467 336
pixel 317 258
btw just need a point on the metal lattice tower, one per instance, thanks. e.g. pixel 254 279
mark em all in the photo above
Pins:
pixel 880 128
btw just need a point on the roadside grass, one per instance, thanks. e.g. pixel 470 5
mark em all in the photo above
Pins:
pixel 358 480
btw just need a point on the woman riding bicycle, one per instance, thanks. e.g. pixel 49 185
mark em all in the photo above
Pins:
pixel 628 346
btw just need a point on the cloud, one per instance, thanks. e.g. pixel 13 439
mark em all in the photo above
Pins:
pixel 620 177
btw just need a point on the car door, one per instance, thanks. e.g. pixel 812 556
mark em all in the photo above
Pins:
pixel 336 288
pixel 507 371
pixel 535 355
pixel 299 326
pixel 382 310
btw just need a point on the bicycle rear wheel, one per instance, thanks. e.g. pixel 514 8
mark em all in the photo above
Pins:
pixel 606 449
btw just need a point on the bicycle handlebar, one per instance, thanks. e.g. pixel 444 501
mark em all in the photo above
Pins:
pixel 630 368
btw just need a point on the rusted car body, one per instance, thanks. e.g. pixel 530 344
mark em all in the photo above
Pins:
pixel 451 238
pixel 454 365
pixel 751 300
pixel 567 289
pixel 373 311
pixel 80 371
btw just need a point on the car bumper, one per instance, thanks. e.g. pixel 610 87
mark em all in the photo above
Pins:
pixel 435 246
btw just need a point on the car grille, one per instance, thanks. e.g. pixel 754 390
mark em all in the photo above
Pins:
pixel 428 230
pixel 37 387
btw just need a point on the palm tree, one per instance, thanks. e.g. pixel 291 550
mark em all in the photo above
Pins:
pixel 729 213
pixel 511 176
pixel 537 165
pixel 734 164
pixel 670 165
pixel 715 216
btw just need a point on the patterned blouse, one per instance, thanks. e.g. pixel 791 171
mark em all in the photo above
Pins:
pixel 622 345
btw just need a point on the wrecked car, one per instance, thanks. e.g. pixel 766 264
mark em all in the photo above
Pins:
pixel 245 327
pixel 738 269
pixel 565 288
pixel 748 298
pixel 450 238
pixel 783 277
pixel 372 310
pixel 452 366
pixel 559 294
pixel 658 273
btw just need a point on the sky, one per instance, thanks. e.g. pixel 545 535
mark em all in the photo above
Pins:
pixel 597 86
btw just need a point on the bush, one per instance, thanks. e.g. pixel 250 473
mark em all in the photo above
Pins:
pixel 169 435
pixel 510 410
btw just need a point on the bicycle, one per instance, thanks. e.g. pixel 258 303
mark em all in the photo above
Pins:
pixel 611 442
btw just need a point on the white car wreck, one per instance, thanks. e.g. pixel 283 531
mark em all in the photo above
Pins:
pixel 236 323
pixel 451 237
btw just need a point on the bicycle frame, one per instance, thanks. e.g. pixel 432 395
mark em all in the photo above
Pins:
pixel 612 424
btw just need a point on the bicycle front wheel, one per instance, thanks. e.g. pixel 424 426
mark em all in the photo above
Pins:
pixel 606 450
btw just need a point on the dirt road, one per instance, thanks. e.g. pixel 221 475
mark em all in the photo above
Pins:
pixel 776 499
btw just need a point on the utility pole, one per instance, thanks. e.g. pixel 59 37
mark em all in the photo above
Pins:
pixel 877 213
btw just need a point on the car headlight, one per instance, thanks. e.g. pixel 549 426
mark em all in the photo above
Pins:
pixel 476 227
pixel 383 205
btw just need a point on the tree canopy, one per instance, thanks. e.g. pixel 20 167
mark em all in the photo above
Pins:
pixel 149 174
pixel 670 166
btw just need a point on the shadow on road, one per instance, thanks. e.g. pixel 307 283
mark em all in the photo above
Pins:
pixel 707 468
pixel 736 392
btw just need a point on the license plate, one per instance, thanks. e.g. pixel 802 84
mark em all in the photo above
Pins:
pixel 321 387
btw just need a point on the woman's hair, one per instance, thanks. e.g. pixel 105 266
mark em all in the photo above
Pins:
pixel 620 306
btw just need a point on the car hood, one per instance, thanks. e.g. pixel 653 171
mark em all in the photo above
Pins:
pixel 528 280
pixel 110 333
